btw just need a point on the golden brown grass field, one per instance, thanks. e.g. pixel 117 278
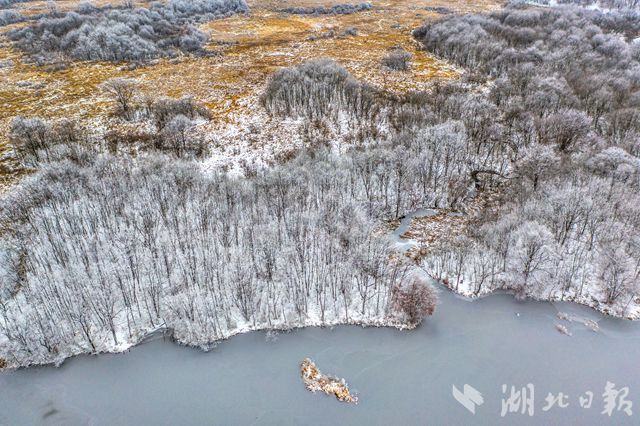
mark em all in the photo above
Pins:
pixel 253 47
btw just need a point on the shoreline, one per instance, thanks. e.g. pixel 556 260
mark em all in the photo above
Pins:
pixel 601 308
pixel 164 332
pixel 168 332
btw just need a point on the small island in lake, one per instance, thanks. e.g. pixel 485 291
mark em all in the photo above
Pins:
pixel 314 381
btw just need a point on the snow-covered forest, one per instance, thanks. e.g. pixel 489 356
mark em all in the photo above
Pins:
pixel 537 146
pixel 122 34
pixel 106 249
pixel 564 96
pixel 591 4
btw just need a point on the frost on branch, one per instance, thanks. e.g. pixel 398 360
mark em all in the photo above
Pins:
pixel 314 381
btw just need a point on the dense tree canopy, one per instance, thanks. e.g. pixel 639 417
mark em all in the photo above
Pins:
pixel 565 92
pixel 125 34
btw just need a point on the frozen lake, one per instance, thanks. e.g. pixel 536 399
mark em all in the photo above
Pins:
pixel 401 377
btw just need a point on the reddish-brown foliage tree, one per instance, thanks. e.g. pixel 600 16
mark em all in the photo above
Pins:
pixel 416 299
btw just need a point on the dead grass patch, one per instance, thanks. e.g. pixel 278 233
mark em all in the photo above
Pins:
pixel 254 46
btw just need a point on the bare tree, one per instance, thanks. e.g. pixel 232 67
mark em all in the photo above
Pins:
pixel 30 139
pixel 564 129
pixel 616 273
pixel 122 91
pixel 176 132
pixel 397 60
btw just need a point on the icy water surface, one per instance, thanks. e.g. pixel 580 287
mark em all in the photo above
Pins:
pixel 402 378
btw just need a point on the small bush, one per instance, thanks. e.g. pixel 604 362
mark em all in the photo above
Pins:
pixel 351 31
pixel 338 9
pixel 397 60
pixel 439 9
